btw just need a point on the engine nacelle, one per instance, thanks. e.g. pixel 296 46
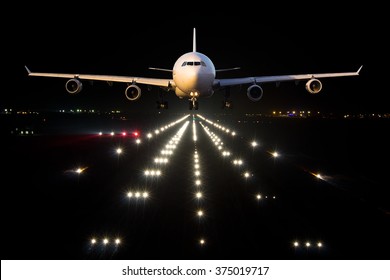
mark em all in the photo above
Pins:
pixel 73 86
pixel 254 92
pixel 313 86
pixel 133 92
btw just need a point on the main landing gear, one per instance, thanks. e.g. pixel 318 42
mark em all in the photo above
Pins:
pixel 193 104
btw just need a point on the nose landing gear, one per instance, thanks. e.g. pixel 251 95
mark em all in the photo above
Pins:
pixel 193 104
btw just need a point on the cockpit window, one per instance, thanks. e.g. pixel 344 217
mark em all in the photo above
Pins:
pixel 192 63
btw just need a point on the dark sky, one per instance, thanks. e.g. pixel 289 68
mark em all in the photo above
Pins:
pixel 263 40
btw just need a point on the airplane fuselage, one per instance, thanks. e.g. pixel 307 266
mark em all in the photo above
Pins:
pixel 193 75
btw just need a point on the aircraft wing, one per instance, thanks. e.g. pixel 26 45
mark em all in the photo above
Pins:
pixel 106 78
pixel 282 78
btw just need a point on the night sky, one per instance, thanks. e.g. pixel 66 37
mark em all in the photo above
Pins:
pixel 126 40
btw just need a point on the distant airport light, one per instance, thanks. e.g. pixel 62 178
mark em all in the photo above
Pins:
pixel 318 176
pixel 105 241
pixel 319 244
pixel 119 151
pixel 198 182
pixel 202 241
pixel 137 194
pixel 124 133
pixel 117 241
pixel 254 144
pixel 93 241
pixel 258 197
pixel 197 173
pixel 247 174
pixel 198 195
pixel 296 244
pixel 100 133
pixel 80 170
pixel 275 154
pixel 129 194
pixel 112 133
pixel 138 141
pixel 233 133
pixel 150 135
pixel 274 197
pixel 136 133
pixel 145 195
pixel 200 213
pixel 308 244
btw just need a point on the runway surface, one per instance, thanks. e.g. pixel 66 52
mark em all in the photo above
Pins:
pixel 325 196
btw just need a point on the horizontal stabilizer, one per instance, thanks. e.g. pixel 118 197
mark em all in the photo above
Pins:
pixel 227 69
pixel 160 69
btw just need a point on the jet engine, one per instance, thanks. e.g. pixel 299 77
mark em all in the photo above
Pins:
pixel 133 92
pixel 313 86
pixel 73 86
pixel 254 92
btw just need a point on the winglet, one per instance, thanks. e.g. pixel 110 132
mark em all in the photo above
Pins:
pixel 28 70
pixel 194 41
pixel 357 72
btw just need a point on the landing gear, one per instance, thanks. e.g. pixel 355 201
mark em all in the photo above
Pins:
pixel 161 104
pixel 227 103
pixel 193 104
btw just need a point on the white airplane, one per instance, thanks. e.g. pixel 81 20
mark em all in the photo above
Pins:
pixel 193 77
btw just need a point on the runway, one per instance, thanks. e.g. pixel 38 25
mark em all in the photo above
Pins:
pixel 196 187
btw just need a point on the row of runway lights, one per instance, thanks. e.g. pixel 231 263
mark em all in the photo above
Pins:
pixel 225 152
pixel 198 183
pixel 117 241
pixel 149 135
